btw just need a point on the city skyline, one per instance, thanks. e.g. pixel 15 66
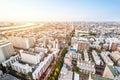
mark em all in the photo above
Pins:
pixel 59 10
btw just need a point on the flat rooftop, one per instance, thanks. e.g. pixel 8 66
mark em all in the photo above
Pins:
pixel 3 43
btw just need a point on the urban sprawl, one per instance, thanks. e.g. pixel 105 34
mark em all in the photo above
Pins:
pixel 60 51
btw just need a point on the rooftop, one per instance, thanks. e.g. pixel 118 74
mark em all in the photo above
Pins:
pixel 3 43
pixel 113 70
pixel 88 68
pixel 118 69
pixel 97 77
pixel 65 74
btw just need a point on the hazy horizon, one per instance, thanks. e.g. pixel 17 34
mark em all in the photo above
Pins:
pixel 60 10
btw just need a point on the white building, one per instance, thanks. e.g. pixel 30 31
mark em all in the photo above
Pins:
pixel 31 57
pixel 56 53
pixel 106 59
pixel 11 60
pixel 42 67
pixel 76 76
pixel 75 46
pixel 86 57
pixel 23 68
pixel 6 50
pixel 96 57
pixel 65 74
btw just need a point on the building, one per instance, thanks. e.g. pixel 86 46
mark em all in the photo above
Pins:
pixel 113 46
pixel 83 45
pixel 86 57
pixel 105 46
pixel 118 69
pixel 56 44
pixel 55 53
pixel 87 68
pixel 42 67
pixel 23 68
pixel 6 50
pixel 76 76
pixel 113 43
pixel 22 42
pixel 106 59
pixel 11 60
pixel 38 49
pixel 75 46
pixel 65 74
pixel 115 57
pixel 68 59
pixel 111 73
pixel 96 58
pixel 97 77
pixel 30 57
pixel 74 40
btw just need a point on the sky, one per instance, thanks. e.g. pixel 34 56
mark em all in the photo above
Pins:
pixel 59 10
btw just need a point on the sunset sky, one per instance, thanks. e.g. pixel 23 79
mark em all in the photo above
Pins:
pixel 59 10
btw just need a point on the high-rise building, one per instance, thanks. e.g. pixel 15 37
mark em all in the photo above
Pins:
pixel 6 50
pixel 56 44
pixel 22 42
pixel 32 58
pixel 115 57
pixel 113 46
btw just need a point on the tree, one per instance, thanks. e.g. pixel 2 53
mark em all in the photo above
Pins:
pixel 76 69
pixel 57 69
pixel 52 78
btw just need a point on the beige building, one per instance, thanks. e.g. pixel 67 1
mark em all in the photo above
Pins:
pixel 113 46
pixel 22 42
pixel 115 57
pixel 6 50
pixel 83 45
